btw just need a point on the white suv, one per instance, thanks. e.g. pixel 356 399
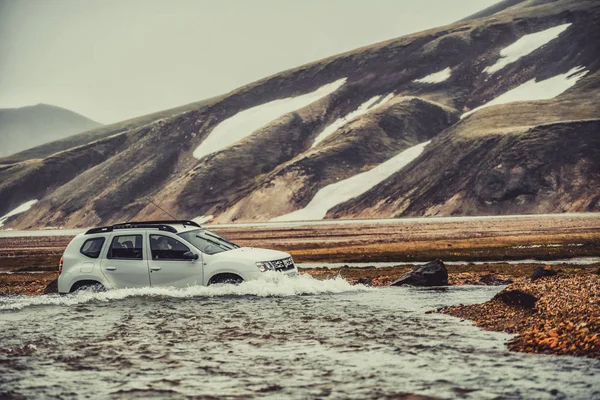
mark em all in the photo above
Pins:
pixel 162 253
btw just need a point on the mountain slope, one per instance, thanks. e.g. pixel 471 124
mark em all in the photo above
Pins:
pixel 379 128
pixel 26 127
pixel 537 162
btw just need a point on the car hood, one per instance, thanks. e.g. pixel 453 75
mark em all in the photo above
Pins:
pixel 252 254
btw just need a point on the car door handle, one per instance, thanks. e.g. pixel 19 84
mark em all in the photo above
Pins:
pixel 155 268
pixel 110 268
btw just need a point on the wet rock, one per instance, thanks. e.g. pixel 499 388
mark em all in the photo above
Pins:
pixel 492 279
pixel 598 272
pixel 11 396
pixel 431 274
pixel 541 272
pixel 364 281
pixel 516 298
pixel 52 287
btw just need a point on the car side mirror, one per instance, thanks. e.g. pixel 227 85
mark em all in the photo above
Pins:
pixel 188 255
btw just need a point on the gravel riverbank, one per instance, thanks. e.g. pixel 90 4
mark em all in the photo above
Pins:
pixel 552 315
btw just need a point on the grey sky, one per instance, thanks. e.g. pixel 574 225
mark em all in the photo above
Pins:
pixel 115 59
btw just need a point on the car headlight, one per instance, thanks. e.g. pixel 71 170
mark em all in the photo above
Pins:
pixel 264 266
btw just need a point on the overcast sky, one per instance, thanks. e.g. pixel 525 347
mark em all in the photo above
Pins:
pixel 116 59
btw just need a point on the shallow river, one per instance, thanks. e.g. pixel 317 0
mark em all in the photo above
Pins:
pixel 280 338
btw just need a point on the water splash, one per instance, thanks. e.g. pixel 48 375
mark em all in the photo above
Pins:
pixel 271 284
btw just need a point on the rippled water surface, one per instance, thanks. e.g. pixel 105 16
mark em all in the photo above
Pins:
pixel 279 338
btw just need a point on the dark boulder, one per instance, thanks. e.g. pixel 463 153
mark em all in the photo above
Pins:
pixel 364 281
pixel 431 274
pixel 540 272
pixel 516 298
pixel 492 280
pixel 52 287
pixel 11 396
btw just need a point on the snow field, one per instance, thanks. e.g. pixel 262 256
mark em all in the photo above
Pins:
pixel 533 90
pixel 245 122
pixel 21 209
pixel 367 106
pixel 342 191
pixel 437 77
pixel 524 46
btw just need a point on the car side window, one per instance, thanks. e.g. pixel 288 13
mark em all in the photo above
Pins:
pixel 92 247
pixel 128 247
pixel 166 248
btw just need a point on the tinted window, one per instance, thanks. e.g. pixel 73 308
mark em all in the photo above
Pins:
pixel 92 247
pixel 166 248
pixel 126 247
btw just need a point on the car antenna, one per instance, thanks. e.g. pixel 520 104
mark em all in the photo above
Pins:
pixel 161 209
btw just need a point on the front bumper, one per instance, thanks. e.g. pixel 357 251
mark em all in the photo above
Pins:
pixel 290 272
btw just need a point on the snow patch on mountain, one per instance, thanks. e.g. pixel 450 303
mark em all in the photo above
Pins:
pixel 245 122
pixel 21 209
pixel 367 106
pixel 342 191
pixel 533 90
pixel 437 77
pixel 524 46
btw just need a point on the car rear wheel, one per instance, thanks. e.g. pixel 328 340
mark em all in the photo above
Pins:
pixel 88 286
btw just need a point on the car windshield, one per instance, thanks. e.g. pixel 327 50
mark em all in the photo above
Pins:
pixel 208 242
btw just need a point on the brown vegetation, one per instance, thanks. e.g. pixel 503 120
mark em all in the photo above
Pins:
pixel 26 283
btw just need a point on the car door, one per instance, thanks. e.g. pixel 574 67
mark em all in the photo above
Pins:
pixel 124 264
pixel 167 264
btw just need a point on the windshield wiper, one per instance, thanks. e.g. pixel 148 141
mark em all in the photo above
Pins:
pixel 219 245
pixel 235 246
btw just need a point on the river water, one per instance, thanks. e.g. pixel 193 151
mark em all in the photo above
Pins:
pixel 279 338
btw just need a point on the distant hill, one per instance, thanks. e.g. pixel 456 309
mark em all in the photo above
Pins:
pixel 497 114
pixel 95 134
pixel 26 127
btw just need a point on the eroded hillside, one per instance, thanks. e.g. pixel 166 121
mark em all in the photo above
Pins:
pixel 493 115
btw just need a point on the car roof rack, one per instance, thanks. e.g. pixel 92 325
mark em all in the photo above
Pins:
pixel 160 225
pixel 163 222
pixel 101 229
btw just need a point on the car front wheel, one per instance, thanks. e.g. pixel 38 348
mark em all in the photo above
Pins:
pixel 232 279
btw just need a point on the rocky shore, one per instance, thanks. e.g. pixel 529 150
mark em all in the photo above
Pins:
pixel 30 284
pixel 552 315
pixel 458 274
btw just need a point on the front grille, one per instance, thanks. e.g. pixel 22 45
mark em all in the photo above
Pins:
pixel 284 264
